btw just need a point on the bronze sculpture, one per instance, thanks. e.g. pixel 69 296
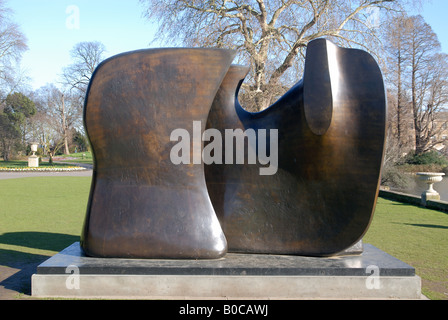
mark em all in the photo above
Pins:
pixel 318 200
pixel 141 204
pixel 331 129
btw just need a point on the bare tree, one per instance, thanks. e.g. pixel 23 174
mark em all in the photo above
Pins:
pixel 417 75
pixel 62 114
pixel 43 130
pixel 270 35
pixel 431 99
pixel 12 46
pixel 86 57
pixel 428 76
pixel 76 78
pixel 396 57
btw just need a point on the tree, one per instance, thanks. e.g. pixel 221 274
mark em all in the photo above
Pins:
pixel 270 35
pixel 60 113
pixel 19 108
pixel 9 135
pixel 76 77
pixel 417 74
pixel 395 49
pixel 12 46
pixel 44 131
pixel 428 77
pixel 86 57
pixel 80 141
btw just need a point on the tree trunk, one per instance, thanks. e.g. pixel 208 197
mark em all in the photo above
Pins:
pixel 417 125
pixel 64 127
pixel 6 152
pixel 399 99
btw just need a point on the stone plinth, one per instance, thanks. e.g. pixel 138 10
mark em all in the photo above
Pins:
pixel 371 275
pixel 33 161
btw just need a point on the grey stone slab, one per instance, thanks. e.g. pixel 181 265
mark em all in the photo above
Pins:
pixel 232 264
pixel 175 287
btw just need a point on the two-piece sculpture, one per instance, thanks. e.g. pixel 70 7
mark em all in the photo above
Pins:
pixel 318 198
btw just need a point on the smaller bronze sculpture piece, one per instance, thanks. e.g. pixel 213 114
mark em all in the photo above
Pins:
pixel 331 132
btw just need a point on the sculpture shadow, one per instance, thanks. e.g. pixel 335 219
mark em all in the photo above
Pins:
pixel 39 240
pixel 17 266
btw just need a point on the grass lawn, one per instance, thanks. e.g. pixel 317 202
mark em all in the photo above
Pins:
pixel 38 217
pixel 41 216
pixel 80 157
pixel 416 236
pixel 35 211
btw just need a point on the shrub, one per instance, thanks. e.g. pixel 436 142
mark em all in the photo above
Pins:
pixel 427 158
pixel 395 178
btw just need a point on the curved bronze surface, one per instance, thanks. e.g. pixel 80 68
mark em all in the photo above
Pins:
pixel 331 132
pixel 142 205
pixel 319 201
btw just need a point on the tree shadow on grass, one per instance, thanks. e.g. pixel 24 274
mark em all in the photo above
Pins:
pixel 19 266
pixel 426 225
pixel 423 225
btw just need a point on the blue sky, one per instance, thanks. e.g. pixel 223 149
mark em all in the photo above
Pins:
pixel 52 30
pixel 435 13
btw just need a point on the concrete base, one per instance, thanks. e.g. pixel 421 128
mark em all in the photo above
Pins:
pixel 33 161
pixel 430 196
pixel 371 275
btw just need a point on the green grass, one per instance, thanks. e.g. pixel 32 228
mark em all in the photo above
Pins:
pixel 41 216
pixel 80 157
pixel 416 236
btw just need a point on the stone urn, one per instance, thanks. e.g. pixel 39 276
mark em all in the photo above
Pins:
pixel 430 178
pixel 33 160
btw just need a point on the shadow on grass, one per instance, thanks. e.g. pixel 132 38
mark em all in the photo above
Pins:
pixel 426 225
pixel 17 267
pixel 39 240
pixel 16 275
pixel 405 204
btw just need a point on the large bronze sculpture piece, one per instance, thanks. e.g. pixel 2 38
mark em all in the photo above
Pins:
pixel 141 204
pixel 317 198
